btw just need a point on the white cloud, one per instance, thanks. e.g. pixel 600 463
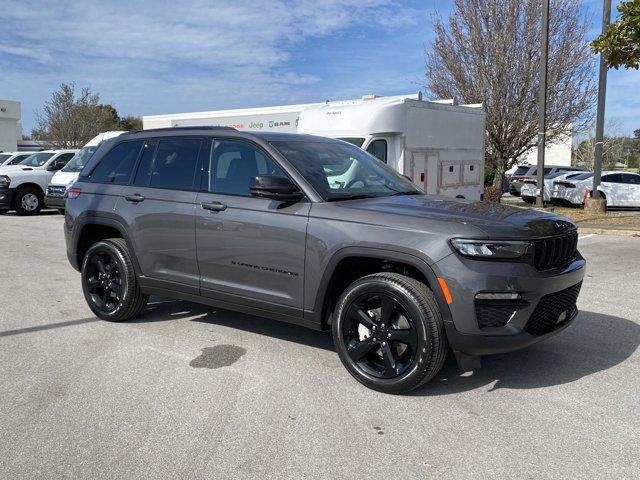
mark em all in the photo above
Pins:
pixel 160 56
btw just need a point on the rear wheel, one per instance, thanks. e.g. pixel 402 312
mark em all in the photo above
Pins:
pixel 389 333
pixel 109 282
pixel 28 201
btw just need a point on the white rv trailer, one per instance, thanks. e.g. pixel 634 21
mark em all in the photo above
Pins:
pixel 440 146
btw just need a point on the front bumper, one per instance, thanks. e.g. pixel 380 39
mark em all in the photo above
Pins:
pixel 466 278
pixel 6 198
pixel 54 202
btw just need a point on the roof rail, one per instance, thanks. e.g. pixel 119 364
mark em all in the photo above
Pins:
pixel 170 129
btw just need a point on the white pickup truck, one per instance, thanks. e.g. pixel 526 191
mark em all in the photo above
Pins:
pixel 22 186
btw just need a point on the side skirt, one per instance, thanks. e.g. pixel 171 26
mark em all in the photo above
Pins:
pixel 226 301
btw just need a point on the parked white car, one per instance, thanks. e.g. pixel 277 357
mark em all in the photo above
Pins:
pixel 529 187
pixel 620 189
pixel 529 172
pixel 12 158
pixel 62 180
pixel 22 186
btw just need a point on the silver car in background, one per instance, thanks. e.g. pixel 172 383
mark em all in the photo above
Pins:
pixel 620 189
pixel 529 187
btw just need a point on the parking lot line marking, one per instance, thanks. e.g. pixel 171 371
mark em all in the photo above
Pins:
pixel 586 236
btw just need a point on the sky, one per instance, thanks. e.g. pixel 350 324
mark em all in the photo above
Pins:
pixel 155 57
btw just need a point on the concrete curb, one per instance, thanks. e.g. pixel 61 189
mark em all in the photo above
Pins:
pixel 608 231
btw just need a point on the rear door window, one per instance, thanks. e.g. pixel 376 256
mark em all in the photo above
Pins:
pixel 116 166
pixel 175 163
pixel 143 174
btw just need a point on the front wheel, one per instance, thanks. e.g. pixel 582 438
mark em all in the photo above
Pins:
pixel 109 281
pixel 389 333
pixel 28 201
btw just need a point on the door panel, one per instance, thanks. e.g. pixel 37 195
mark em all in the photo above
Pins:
pixel 161 219
pixel 253 248
pixel 247 246
pixel 163 232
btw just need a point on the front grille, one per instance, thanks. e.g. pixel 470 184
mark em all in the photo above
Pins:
pixel 495 313
pixel 553 311
pixel 556 251
pixel 56 190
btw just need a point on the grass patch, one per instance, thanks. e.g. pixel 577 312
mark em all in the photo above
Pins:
pixel 619 219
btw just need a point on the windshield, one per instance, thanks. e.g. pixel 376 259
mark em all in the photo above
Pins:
pixel 80 159
pixel 3 158
pixel 521 171
pixel 583 176
pixel 37 159
pixel 339 171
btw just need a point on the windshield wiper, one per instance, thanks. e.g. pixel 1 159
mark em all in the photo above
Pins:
pixel 351 197
pixel 407 192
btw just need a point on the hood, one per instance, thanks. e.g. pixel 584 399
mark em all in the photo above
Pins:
pixel 494 219
pixel 64 178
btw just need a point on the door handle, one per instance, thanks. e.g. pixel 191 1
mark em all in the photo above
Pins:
pixel 214 206
pixel 135 198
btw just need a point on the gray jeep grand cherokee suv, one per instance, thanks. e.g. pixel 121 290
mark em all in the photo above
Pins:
pixel 319 233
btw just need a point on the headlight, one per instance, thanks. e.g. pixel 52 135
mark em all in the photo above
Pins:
pixel 490 248
pixel 4 181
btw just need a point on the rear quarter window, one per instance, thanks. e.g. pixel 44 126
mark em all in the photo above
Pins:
pixel 116 166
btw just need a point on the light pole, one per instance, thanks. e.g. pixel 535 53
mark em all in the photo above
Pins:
pixel 602 95
pixel 542 102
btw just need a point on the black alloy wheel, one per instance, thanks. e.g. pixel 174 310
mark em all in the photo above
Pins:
pixel 109 281
pixel 379 336
pixel 104 281
pixel 388 332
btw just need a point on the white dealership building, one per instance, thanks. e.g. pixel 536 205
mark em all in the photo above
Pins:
pixel 10 130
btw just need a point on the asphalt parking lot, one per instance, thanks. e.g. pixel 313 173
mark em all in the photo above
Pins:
pixel 191 392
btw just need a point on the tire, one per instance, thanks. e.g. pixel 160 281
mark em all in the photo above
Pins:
pixel 413 320
pixel 28 201
pixel 109 281
pixel 529 199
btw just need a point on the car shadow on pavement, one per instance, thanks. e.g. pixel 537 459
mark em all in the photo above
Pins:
pixel 594 343
pixel 269 328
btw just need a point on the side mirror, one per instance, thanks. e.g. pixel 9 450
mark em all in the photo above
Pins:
pixel 275 187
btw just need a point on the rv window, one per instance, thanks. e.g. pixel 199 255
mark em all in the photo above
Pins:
pixel 378 148
pixel 356 141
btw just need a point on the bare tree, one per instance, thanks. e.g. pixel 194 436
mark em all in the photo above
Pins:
pixel 489 51
pixel 70 122
pixel 612 147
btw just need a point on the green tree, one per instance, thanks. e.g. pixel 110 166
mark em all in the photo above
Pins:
pixel 130 123
pixel 636 133
pixel 69 119
pixel 619 45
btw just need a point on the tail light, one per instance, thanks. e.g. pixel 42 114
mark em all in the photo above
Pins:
pixel 74 192
pixel 587 194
